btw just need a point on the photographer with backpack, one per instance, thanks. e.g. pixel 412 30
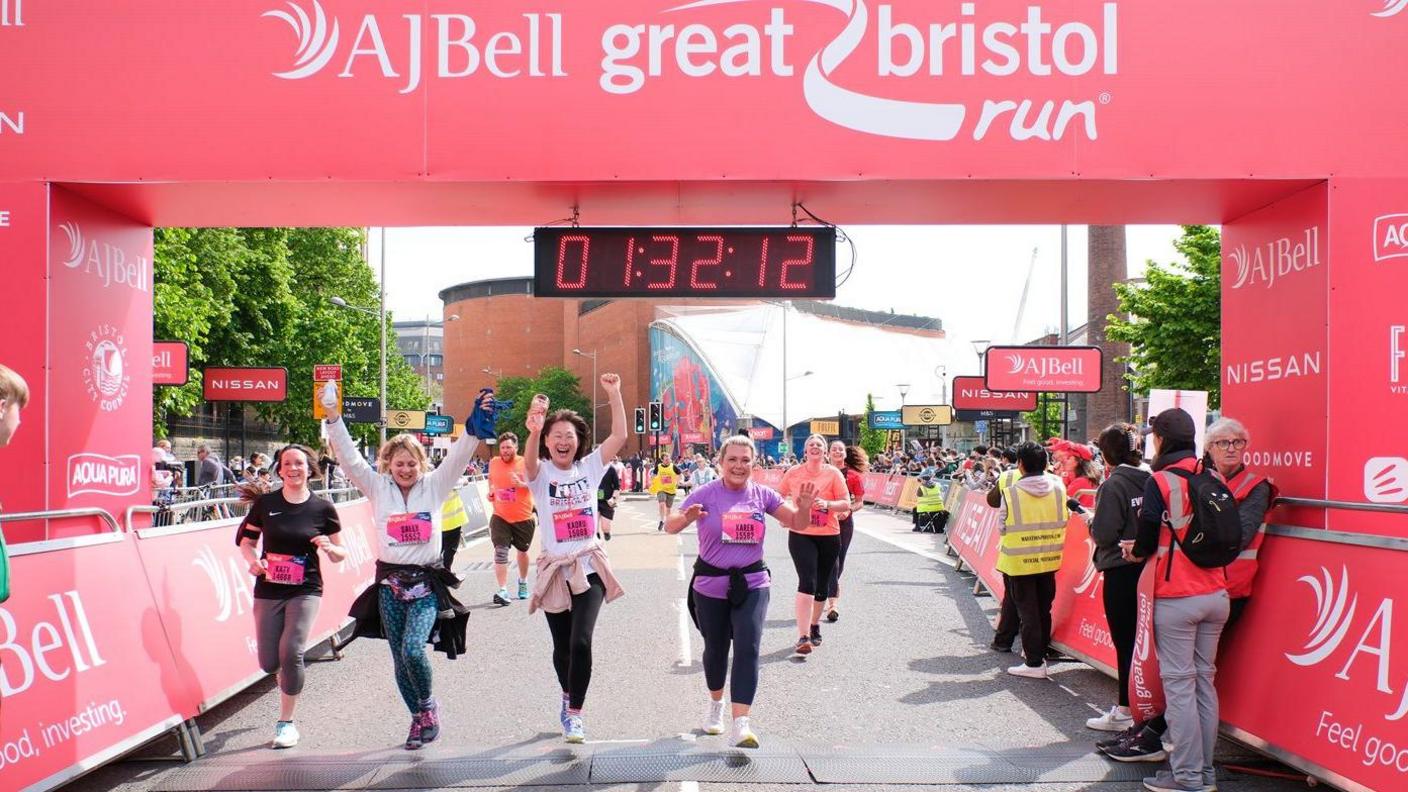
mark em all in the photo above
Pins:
pixel 1190 525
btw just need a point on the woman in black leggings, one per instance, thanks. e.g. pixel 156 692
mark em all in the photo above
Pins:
pixel 852 462
pixel 814 547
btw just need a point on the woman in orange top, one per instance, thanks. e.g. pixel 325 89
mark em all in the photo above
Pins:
pixel 814 549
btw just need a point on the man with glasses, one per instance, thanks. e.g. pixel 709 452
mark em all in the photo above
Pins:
pixel 1227 441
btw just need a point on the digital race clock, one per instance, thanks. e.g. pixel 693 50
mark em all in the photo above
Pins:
pixel 787 262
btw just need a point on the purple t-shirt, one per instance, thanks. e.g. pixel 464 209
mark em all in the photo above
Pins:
pixel 749 506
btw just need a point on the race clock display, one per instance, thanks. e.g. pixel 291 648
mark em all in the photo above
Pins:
pixel 787 262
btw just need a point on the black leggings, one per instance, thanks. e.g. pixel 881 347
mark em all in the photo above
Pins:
pixel 1121 595
pixel 848 531
pixel 815 559
pixel 723 624
pixel 572 641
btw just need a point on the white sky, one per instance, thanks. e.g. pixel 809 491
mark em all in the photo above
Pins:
pixel 970 277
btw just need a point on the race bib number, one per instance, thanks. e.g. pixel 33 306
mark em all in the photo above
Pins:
pixel 285 569
pixel 666 481
pixel 506 495
pixel 574 524
pixel 820 516
pixel 409 528
pixel 743 527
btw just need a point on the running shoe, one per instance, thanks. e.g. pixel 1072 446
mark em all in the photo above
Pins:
pixel 804 646
pixel 714 720
pixel 522 589
pixel 430 722
pixel 1143 747
pixel 832 616
pixel 1163 781
pixel 1124 736
pixel 1030 672
pixel 608 536
pixel 661 526
pixel 816 635
pixel 743 736
pixel 997 647
pixel 562 716
pixel 285 735
pixel 1112 721
pixel 501 597
pixel 573 731
pixel 413 740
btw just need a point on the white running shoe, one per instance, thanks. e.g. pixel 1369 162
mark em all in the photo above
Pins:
pixel 1113 721
pixel 743 736
pixel 714 721
pixel 573 730
pixel 1030 672
pixel 285 735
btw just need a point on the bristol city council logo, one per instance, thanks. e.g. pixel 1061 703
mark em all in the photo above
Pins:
pixel 105 367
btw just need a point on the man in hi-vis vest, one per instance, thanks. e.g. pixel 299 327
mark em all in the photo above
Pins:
pixel 1033 534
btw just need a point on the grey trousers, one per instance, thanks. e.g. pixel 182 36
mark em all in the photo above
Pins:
pixel 1186 630
pixel 281 628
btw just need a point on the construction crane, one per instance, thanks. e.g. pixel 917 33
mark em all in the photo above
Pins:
pixel 1022 305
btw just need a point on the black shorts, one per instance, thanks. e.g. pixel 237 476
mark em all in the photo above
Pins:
pixel 606 510
pixel 503 533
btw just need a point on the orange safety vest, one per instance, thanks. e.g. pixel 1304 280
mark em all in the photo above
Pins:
pixel 1185 578
pixel 1241 572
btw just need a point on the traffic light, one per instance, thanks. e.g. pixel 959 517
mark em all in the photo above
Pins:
pixel 655 424
pixel 640 420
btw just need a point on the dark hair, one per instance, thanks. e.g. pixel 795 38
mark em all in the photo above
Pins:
pixel 857 459
pixel 578 425
pixel 313 471
pixel 980 450
pixel 1119 444
pixel 512 436
pixel 1031 457
pixel 1010 456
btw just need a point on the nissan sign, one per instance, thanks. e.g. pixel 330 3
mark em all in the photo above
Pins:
pixel 246 384
pixel 970 393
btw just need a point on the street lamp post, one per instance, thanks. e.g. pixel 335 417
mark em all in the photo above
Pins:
pixel 786 431
pixel 904 433
pixel 592 397
pixel 980 346
pixel 942 371
pixel 381 320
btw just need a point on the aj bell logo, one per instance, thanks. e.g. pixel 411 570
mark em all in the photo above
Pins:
pixel 1266 264
pixel 1391 233
pixel 106 262
pixel 1391 7
pixel 633 53
pixel 1044 366
pixel 232 593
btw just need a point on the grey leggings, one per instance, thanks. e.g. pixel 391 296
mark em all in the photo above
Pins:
pixel 1186 631
pixel 723 624
pixel 281 627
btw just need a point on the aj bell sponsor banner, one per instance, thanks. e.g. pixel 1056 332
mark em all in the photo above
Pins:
pixel 1368 351
pixel 1274 366
pixel 170 363
pixel 1051 369
pixel 1324 618
pixel 24 236
pixel 100 356
pixel 971 393
pixel 904 88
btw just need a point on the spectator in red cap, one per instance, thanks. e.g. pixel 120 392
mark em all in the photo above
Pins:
pixel 1078 473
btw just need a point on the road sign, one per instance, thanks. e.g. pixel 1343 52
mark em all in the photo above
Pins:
pixel 886 419
pixel 983 415
pixel 361 409
pixel 405 419
pixel 826 427
pixel 439 424
pixel 928 415
pixel 322 375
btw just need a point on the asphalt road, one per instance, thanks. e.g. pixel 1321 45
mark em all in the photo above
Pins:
pixel 907 664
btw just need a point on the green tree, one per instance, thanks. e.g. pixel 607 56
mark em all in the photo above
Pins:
pixel 1172 322
pixel 872 440
pixel 1045 420
pixel 562 388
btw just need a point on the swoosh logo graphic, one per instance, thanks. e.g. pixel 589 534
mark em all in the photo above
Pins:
pixel 315 44
pixel 1332 620
pixel 1391 7
pixel 1239 257
pixel 1015 361
pixel 75 242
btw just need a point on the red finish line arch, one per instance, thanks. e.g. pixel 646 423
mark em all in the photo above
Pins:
pixel 1286 126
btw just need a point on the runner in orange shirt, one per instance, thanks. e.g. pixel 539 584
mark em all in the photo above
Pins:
pixel 815 549
pixel 512 524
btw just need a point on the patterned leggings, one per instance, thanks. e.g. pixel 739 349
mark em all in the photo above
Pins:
pixel 407 626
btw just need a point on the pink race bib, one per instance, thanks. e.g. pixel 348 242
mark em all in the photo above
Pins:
pixel 506 495
pixel 286 569
pixel 666 481
pixel 819 518
pixel 743 527
pixel 409 528
pixel 572 525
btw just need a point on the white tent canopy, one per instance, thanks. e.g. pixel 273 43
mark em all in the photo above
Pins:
pixel 743 347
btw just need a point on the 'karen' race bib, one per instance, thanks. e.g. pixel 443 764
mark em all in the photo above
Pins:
pixel 743 527
pixel 571 525
pixel 507 494
pixel 409 528
pixel 286 569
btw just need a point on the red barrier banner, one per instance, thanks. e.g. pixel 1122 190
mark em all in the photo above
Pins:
pixel 889 494
pixel 1045 369
pixel 84 661
pixel 1078 624
pixel 1310 669
pixel 1274 367
pixel 874 486
pixel 205 598
pixel 245 384
pixel 971 393
pixel 24 210
pixel 973 534
pixel 170 363
pixel 768 478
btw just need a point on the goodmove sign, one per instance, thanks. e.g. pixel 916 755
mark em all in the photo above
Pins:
pixel 246 384
pixel 969 393
pixel 1071 369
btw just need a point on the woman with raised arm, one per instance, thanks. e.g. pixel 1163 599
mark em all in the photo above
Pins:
pixel 729 594
pixel 574 575
pixel 410 601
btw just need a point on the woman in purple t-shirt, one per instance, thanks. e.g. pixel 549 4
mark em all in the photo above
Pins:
pixel 729 593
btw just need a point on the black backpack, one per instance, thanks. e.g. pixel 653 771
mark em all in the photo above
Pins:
pixel 1213 537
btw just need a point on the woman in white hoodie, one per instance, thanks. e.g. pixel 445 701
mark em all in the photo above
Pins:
pixel 412 585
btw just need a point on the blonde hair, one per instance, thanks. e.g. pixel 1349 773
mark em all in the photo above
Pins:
pixel 394 445
pixel 13 388
pixel 826 444
pixel 738 440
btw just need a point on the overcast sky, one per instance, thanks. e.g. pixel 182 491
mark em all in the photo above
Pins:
pixel 970 277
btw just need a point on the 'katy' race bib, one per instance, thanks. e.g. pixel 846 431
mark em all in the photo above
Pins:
pixel 507 494
pixel 409 528
pixel 819 516
pixel 743 527
pixel 286 569
pixel 571 525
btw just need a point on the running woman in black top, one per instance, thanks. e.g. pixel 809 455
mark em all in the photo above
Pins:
pixel 294 526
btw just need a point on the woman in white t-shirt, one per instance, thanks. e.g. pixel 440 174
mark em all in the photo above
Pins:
pixel 574 575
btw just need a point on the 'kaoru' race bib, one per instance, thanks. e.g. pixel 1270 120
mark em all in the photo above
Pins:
pixel 409 528
pixel 743 527
pixel 288 570
pixel 571 525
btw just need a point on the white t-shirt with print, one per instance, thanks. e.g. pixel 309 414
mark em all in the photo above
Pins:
pixel 564 497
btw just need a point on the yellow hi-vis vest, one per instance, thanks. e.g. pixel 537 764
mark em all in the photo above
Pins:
pixel 1034 533
pixel 931 499
pixel 453 514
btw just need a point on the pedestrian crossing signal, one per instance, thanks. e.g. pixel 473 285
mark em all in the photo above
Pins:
pixel 655 416
pixel 640 420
